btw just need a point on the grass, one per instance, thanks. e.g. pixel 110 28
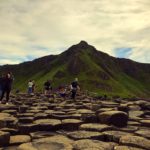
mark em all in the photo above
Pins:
pixel 118 83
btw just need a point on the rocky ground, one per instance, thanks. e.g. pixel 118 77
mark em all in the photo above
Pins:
pixel 39 123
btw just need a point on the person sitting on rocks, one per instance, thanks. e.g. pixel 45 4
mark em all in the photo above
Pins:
pixel 74 87
pixel 47 87
pixel 62 92
pixel 30 85
pixel 6 86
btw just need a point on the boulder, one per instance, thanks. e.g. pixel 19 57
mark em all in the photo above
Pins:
pixel 25 115
pixel 12 131
pixel 123 107
pixel 78 135
pixel 133 114
pixel 87 144
pixel 117 118
pixel 12 112
pixel 25 119
pixel 40 116
pixel 129 129
pixel 23 108
pixel 70 124
pixel 19 139
pixel 84 111
pixel 126 148
pixel 135 141
pixel 48 124
pixel 89 118
pixel 114 136
pixel 8 121
pixel 144 133
pixel 95 127
pixel 41 134
pixel 51 143
pixel 27 128
pixel 145 123
pixel 4 138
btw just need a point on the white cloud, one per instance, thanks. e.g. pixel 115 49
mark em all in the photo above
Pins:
pixel 26 26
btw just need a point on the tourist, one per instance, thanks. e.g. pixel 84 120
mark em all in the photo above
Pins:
pixel 30 85
pixel 62 92
pixel 7 85
pixel 1 85
pixel 33 86
pixel 74 87
pixel 47 87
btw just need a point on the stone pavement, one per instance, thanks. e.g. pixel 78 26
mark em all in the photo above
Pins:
pixel 40 123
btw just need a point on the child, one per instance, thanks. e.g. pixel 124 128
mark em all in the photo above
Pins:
pixel 62 92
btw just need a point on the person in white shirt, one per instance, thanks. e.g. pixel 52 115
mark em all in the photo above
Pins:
pixel 30 85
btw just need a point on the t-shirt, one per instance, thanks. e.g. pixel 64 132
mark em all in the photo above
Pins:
pixel 7 83
pixel 47 85
pixel 74 85
pixel 30 84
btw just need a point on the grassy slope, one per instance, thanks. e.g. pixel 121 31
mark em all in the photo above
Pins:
pixel 118 84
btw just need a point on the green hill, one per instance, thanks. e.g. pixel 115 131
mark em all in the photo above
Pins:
pixel 97 72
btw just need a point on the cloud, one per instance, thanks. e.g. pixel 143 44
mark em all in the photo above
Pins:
pixel 31 29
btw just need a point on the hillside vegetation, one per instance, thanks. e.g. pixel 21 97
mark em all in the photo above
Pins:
pixel 97 72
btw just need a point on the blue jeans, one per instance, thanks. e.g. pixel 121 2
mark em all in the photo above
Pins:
pixel 29 90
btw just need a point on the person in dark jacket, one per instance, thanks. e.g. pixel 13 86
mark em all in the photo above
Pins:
pixel 74 87
pixel 47 87
pixel 7 85
pixel 1 84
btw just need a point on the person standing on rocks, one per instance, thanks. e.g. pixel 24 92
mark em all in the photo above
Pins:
pixel 47 87
pixel 7 85
pixel 74 87
pixel 30 85
pixel 1 84
pixel 33 86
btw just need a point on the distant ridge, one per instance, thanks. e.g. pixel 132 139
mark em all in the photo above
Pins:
pixel 97 72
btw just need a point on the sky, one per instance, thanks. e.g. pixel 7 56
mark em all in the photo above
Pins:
pixel 31 29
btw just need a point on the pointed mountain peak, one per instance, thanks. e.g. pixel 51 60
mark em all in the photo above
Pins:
pixel 83 43
pixel 81 46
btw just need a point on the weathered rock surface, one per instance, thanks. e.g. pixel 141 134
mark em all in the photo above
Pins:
pixel 71 124
pixel 126 148
pixel 47 124
pixel 135 141
pixel 145 123
pixel 37 122
pixel 95 127
pixel 19 139
pixel 92 145
pixel 144 133
pixel 117 118
pixel 4 138
pixel 77 135
pixel 114 136
pixel 51 143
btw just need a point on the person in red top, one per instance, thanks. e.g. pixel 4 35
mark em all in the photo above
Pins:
pixel 7 85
